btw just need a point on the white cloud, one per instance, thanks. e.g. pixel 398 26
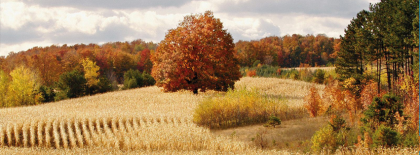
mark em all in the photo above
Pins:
pixel 85 22
pixel 6 48
pixel 107 4
pixel 13 14
pixel 308 24
pixel 26 23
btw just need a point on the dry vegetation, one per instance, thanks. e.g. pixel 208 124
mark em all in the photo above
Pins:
pixel 293 91
pixel 292 135
pixel 139 121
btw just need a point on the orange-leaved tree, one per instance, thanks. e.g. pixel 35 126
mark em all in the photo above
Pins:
pixel 314 103
pixel 198 54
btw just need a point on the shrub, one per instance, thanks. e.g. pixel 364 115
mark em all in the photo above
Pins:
pixel 267 71
pixel 386 136
pixel 273 121
pixel 71 84
pixel 411 139
pixel 135 79
pixel 294 74
pixel 324 138
pixel 279 71
pixel 369 91
pixel 148 80
pixel 130 76
pixel 337 123
pixel 305 75
pixel 104 85
pixel 333 135
pixel 251 73
pixel 241 107
pixel 260 139
pixel 383 111
pixel 130 83
pixel 314 103
pixel 47 93
pixel 256 63
pixel 319 76
pixel 409 92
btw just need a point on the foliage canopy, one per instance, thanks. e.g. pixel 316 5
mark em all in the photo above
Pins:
pixel 198 54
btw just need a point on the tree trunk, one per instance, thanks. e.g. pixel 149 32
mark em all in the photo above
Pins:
pixel 379 74
pixel 193 81
pixel 388 71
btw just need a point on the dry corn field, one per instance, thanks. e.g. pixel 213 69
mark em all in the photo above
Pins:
pixel 293 91
pixel 138 121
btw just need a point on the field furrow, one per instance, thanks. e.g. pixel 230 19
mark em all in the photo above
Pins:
pixel 138 121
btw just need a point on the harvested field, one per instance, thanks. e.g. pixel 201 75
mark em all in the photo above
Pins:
pixel 138 121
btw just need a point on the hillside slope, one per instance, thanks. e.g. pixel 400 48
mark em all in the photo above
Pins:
pixel 138 121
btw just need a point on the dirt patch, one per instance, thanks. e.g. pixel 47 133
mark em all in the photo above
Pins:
pixel 292 134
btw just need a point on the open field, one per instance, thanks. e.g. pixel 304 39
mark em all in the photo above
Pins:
pixel 310 68
pixel 291 135
pixel 292 90
pixel 138 121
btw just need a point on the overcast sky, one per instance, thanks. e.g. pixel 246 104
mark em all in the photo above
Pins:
pixel 29 23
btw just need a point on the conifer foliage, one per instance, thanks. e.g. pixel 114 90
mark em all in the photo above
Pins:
pixel 385 37
pixel 198 54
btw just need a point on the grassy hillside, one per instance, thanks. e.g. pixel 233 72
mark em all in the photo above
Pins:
pixel 138 121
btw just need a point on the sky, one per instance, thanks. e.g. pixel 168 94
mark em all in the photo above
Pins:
pixel 28 23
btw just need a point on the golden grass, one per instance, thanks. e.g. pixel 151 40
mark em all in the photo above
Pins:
pixel 293 91
pixel 101 150
pixel 147 102
pixel 125 133
pixel 138 121
pixel 292 135
pixel 243 107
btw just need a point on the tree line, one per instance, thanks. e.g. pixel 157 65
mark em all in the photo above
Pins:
pixel 289 51
pixel 114 59
pixel 44 74
pixel 381 44
pixel 378 71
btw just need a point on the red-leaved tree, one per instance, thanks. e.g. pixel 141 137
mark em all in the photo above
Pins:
pixel 198 54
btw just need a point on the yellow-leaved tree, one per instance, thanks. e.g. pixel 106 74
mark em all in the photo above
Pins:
pixel 4 81
pixel 91 72
pixel 23 88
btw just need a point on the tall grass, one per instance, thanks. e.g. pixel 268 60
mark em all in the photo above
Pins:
pixel 243 107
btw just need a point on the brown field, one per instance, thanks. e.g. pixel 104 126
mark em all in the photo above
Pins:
pixel 139 121
pixel 292 135
pixel 292 90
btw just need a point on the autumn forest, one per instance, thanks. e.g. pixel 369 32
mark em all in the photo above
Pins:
pixel 361 89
